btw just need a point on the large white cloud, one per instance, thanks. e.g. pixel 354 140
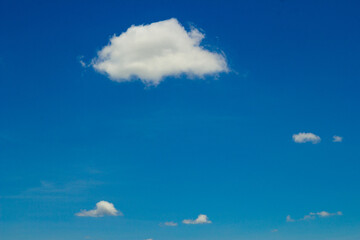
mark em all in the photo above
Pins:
pixel 201 219
pixel 306 137
pixel 103 208
pixel 152 52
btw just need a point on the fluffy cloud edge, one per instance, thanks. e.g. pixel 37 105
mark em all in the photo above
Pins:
pixel 155 51
pixel 102 209
pixel 304 137
pixel 201 219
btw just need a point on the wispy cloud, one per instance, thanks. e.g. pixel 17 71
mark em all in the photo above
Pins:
pixel 289 219
pixel 103 208
pixel 69 187
pixel 169 224
pixel 155 51
pixel 52 190
pixel 82 62
pixel 201 219
pixel 337 138
pixel 314 215
pixel 325 214
pixel 306 137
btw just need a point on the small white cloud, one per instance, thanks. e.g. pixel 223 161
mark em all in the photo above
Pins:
pixel 326 214
pixel 289 219
pixel 170 224
pixel 103 208
pixel 308 217
pixel 201 219
pixel 337 138
pixel 312 216
pixel 275 230
pixel 83 64
pixel 306 137
pixel 155 51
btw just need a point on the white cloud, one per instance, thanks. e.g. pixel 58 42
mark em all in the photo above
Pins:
pixel 289 219
pixel 201 219
pixel 306 137
pixel 337 138
pixel 312 216
pixel 170 224
pixel 152 52
pixel 83 64
pixel 275 230
pixel 326 214
pixel 308 217
pixel 103 208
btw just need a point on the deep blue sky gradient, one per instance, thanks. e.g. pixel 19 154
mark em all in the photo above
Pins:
pixel 218 146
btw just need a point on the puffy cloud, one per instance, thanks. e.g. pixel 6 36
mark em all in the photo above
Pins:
pixel 337 138
pixel 275 230
pixel 155 51
pixel 201 219
pixel 103 208
pixel 306 137
pixel 170 224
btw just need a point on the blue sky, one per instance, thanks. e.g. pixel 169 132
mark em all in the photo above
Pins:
pixel 220 144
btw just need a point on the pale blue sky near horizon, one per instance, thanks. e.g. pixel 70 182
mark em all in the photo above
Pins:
pixel 219 145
